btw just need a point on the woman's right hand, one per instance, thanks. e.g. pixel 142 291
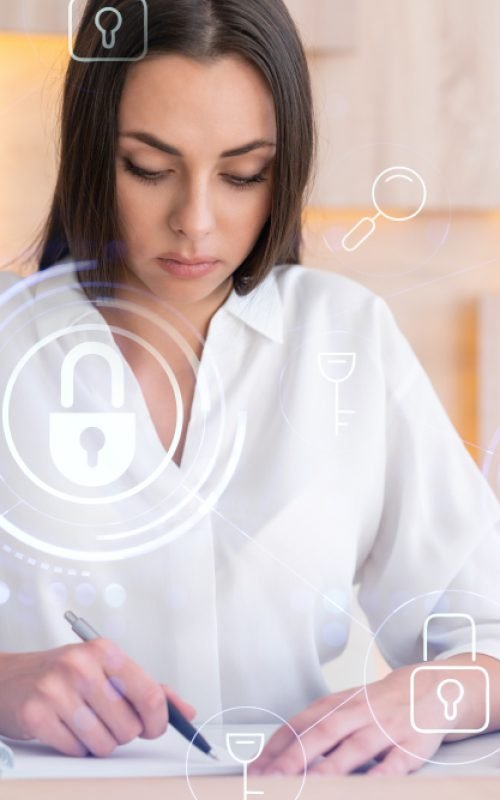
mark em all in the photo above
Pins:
pixel 82 698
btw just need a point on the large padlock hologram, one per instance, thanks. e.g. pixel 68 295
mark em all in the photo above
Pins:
pixel 92 449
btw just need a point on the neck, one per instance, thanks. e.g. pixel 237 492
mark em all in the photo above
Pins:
pixel 192 321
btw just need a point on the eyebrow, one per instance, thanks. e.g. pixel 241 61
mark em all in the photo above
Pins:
pixel 153 141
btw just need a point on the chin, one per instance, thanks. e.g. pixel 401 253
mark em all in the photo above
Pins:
pixel 181 295
pixel 180 292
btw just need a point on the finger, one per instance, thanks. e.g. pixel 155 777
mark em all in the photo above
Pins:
pixel 352 753
pixel 396 763
pixel 105 697
pixel 322 737
pixel 145 695
pixel 284 737
pixel 86 726
pixel 66 742
pixel 50 730
pixel 279 741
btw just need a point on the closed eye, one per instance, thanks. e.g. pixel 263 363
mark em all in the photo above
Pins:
pixel 155 178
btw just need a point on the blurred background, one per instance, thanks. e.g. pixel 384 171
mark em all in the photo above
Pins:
pixel 397 83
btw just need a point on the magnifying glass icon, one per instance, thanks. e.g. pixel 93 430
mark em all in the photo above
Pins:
pixel 360 232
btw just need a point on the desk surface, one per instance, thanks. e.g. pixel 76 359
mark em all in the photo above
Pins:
pixel 350 788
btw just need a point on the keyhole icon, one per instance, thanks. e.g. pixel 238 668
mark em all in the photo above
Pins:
pixel 92 440
pixel 453 698
pixel 108 34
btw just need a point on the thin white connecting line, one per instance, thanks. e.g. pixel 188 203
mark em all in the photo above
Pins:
pixel 492 453
pixel 465 441
pixel 333 710
pixel 442 277
pixel 293 572
pixel 481 449
pixel 4 513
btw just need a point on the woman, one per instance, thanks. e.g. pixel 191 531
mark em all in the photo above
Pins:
pixel 349 471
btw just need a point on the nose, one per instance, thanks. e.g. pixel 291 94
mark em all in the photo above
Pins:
pixel 193 212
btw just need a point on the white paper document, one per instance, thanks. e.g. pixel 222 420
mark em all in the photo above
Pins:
pixel 169 755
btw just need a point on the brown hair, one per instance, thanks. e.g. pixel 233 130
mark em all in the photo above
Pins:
pixel 83 219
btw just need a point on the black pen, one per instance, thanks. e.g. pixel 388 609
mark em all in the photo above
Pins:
pixel 176 718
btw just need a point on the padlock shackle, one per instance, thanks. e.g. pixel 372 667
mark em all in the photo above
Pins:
pixel 450 615
pixel 92 349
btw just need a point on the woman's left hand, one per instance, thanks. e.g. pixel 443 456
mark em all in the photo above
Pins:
pixel 342 728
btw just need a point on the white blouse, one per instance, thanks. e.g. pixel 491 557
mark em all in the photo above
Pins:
pixel 317 457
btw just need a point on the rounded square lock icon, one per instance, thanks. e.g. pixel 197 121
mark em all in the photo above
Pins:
pixel 112 21
pixel 450 689
pixel 92 449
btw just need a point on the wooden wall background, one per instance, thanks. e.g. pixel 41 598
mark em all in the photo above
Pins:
pixel 419 75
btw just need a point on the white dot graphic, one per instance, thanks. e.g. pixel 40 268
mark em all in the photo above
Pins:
pixel 58 592
pixel 4 593
pixel 335 633
pixel 85 594
pixel 335 599
pixel 115 595
pixel 25 597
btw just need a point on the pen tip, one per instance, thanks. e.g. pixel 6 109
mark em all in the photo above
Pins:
pixel 212 755
pixel 70 616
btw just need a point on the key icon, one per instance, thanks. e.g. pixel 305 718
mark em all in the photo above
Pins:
pixel 108 32
pixel 92 440
pixel 115 28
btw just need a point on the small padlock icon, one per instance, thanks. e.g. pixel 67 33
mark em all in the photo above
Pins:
pixel 92 448
pixel 450 691
pixel 113 23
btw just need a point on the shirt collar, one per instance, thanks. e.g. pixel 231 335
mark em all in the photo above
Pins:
pixel 261 310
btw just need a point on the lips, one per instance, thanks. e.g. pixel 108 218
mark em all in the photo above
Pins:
pixel 181 269
pixel 192 262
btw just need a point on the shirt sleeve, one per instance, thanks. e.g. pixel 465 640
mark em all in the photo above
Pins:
pixel 437 546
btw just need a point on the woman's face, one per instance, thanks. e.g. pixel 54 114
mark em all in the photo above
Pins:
pixel 193 203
